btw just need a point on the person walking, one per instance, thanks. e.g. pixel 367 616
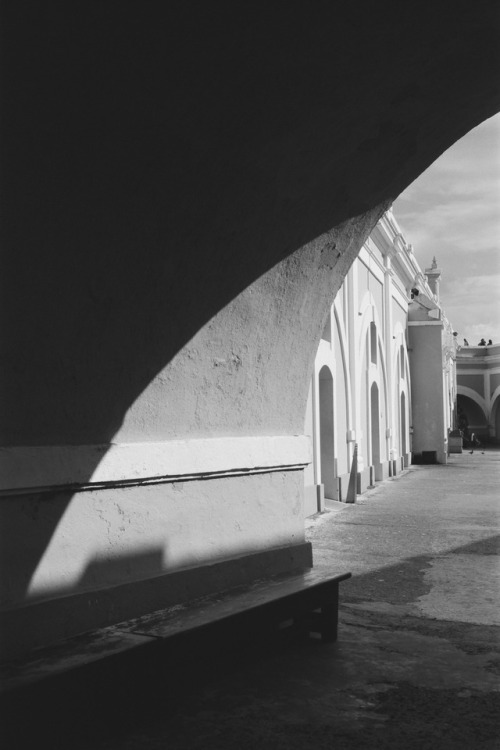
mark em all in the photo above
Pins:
pixel 474 442
pixel 472 439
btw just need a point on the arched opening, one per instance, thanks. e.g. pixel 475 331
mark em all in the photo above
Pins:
pixel 496 420
pixel 403 424
pixel 174 286
pixel 342 412
pixel 375 424
pixel 326 430
pixel 471 417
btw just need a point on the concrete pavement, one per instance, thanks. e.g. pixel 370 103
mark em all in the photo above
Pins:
pixel 417 663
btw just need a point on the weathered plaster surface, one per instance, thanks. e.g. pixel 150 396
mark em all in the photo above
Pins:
pixel 115 536
pixel 25 469
pixel 425 347
pixel 247 371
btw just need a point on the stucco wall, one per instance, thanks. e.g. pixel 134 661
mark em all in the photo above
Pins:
pixel 342 405
pixel 399 315
pixel 425 353
pixel 103 541
pixel 309 431
pixel 476 382
pixel 111 536
pixel 494 382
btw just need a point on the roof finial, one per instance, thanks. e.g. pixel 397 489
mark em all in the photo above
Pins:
pixel 434 263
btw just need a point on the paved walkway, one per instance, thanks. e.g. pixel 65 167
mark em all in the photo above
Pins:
pixel 417 663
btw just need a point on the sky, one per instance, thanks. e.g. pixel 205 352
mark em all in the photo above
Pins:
pixel 452 211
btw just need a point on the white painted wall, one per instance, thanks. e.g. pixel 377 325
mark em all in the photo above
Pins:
pixel 376 292
pixel 113 536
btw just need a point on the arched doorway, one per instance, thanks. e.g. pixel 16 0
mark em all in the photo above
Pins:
pixel 201 280
pixel 375 425
pixel 471 416
pixel 326 429
pixel 496 419
pixel 403 424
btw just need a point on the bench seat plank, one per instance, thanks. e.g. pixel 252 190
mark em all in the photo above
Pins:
pixel 67 655
pixel 215 608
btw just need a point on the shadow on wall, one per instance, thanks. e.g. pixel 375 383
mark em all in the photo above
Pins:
pixel 156 164
pixel 126 586
pixel 92 601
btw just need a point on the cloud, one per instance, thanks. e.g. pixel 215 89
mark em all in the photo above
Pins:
pixel 452 212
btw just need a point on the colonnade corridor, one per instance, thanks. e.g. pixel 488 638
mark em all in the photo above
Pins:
pixel 416 664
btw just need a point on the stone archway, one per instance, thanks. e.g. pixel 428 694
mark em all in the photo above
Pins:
pixel 184 190
pixel 205 200
pixel 477 421
pixel 495 412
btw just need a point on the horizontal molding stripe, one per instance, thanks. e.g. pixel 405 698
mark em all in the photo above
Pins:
pixel 415 323
pixel 30 468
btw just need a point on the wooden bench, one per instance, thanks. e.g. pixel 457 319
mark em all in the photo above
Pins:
pixel 306 600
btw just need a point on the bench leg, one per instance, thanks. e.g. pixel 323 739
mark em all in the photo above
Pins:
pixel 323 620
pixel 330 617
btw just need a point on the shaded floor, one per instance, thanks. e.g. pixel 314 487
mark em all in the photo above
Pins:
pixel 417 664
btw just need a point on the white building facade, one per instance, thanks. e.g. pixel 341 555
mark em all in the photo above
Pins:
pixel 369 373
